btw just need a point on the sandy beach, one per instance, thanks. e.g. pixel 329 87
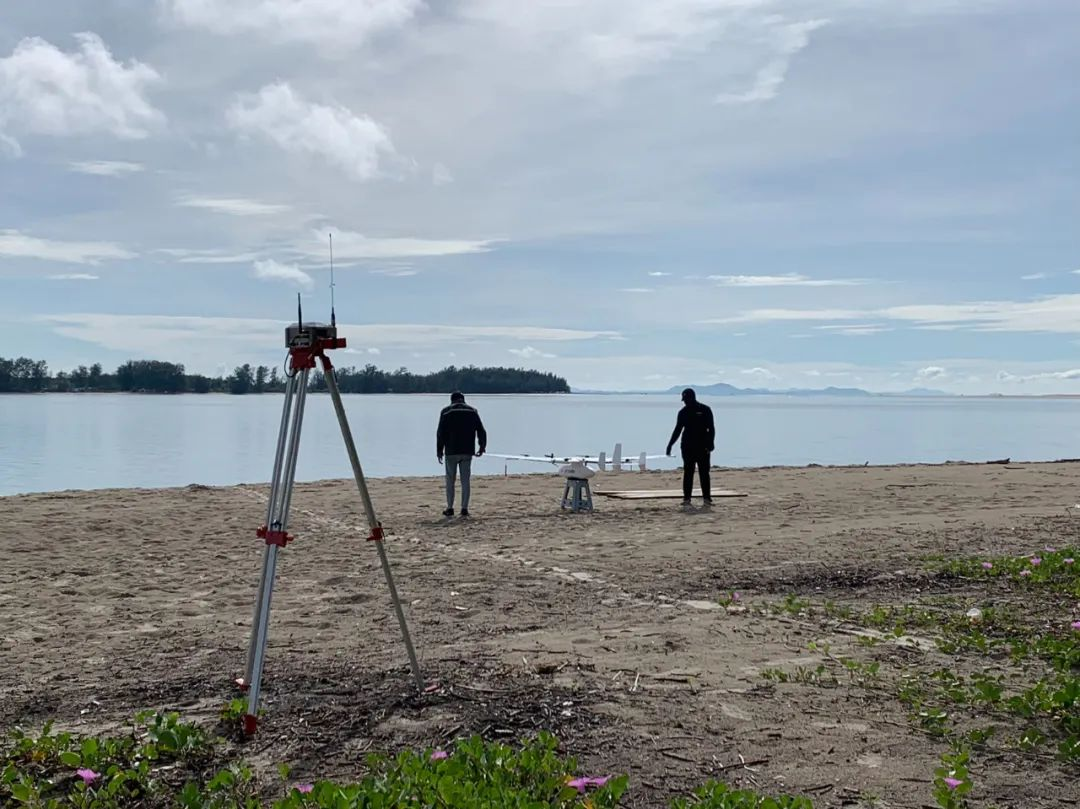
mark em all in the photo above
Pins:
pixel 611 629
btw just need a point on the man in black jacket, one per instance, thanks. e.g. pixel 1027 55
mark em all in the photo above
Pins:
pixel 459 429
pixel 695 422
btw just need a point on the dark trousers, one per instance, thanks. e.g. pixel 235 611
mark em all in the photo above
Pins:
pixel 696 458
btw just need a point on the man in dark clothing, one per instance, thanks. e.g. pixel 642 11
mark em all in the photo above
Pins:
pixel 695 422
pixel 459 429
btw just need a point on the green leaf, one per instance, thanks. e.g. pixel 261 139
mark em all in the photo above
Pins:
pixel 71 759
pixel 21 793
pixel 89 747
pixel 225 778
pixel 448 790
pixel 168 740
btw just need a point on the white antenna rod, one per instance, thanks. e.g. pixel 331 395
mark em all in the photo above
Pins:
pixel 333 317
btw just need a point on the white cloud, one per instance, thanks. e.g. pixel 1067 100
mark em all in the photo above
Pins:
pixel 657 274
pixel 787 39
pixel 769 315
pixel 15 244
pixel 270 270
pixel 395 272
pixel 616 40
pixel 855 329
pixel 356 246
pixel 759 373
pixel 638 290
pixel 787 280
pixel 644 34
pixel 233 206
pixel 45 91
pixel 931 372
pixel 1054 313
pixel 530 353
pixel 198 340
pixel 1005 376
pixel 1035 276
pixel 73 276
pixel 106 168
pixel 434 334
pixel 191 256
pixel 610 39
pixel 440 175
pixel 862 331
pixel 351 142
pixel 9 145
pixel 342 22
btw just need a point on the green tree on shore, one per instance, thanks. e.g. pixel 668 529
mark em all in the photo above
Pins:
pixel 24 375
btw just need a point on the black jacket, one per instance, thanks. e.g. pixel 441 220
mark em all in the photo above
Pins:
pixel 695 422
pixel 459 428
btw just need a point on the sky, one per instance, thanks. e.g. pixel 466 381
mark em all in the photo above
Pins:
pixel 634 194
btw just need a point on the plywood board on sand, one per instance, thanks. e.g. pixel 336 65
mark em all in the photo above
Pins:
pixel 648 494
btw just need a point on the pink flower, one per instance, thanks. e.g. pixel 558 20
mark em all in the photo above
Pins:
pixel 1025 572
pixel 1067 561
pixel 734 596
pixel 1048 549
pixel 987 566
pixel 1076 625
pixel 953 783
pixel 88 776
pixel 1035 560
pixel 305 788
pixel 586 781
pixel 439 755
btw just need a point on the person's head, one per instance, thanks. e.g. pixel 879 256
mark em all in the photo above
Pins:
pixel 457 396
pixel 689 396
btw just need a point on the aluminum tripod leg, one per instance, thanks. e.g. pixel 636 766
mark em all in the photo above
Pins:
pixel 271 508
pixel 369 509
pixel 274 532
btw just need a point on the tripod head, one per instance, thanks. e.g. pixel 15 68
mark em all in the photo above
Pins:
pixel 311 335
pixel 305 341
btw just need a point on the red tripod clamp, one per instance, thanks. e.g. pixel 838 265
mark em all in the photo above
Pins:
pixel 377 534
pixel 304 356
pixel 279 538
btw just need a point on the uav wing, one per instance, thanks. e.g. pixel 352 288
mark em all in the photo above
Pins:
pixel 626 459
pixel 551 459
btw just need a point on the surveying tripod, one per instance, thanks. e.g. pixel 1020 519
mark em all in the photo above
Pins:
pixel 306 342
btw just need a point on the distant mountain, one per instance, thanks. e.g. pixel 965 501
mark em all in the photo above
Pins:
pixel 919 392
pixel 718 389
pixel 724 389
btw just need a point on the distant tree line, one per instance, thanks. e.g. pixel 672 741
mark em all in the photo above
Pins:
pixel 470 379
pixel 24 375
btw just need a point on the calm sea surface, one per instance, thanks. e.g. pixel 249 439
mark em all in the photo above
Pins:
pixel 86 441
